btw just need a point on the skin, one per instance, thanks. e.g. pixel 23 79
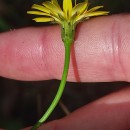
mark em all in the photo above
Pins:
pixel 100 53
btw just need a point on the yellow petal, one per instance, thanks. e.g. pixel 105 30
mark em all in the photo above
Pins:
pixel 67 7
pixel 52 8
pixel 75 2
pixel 55 2
pixel 94 8
pixel 97 13
pixel 37 13
pixel 79 8
pixel 43 19
pixel 41 8
pixel 79 18
pixel 86 16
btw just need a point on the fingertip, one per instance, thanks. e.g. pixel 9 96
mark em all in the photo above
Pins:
pixel 25 53
pixel 99 115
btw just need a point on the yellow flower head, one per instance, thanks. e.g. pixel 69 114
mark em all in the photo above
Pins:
pixel 50 11
pixel 68 17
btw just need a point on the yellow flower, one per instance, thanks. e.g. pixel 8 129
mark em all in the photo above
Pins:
pixel 50 11
pixel 68 18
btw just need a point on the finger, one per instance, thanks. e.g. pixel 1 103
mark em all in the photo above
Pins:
pixel 109 113
pixel 100 52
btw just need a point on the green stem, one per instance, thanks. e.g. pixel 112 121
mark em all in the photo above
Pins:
pixel 60 89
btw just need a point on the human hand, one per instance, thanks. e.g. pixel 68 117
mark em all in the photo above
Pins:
pixel 102 54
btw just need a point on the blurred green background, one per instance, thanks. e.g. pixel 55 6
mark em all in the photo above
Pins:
pixel 22 103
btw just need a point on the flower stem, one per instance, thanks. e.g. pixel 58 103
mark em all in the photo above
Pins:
pixel 60 89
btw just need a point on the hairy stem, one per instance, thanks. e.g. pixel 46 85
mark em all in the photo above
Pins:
pixel 60 89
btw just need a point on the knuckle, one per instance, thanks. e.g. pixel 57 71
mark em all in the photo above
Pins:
pixel 116 45
pixel 114 54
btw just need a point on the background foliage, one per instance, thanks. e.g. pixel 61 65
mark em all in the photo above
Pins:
pixel 22 103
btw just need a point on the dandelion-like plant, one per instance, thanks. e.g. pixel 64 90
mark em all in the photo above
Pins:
pixel 67 18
